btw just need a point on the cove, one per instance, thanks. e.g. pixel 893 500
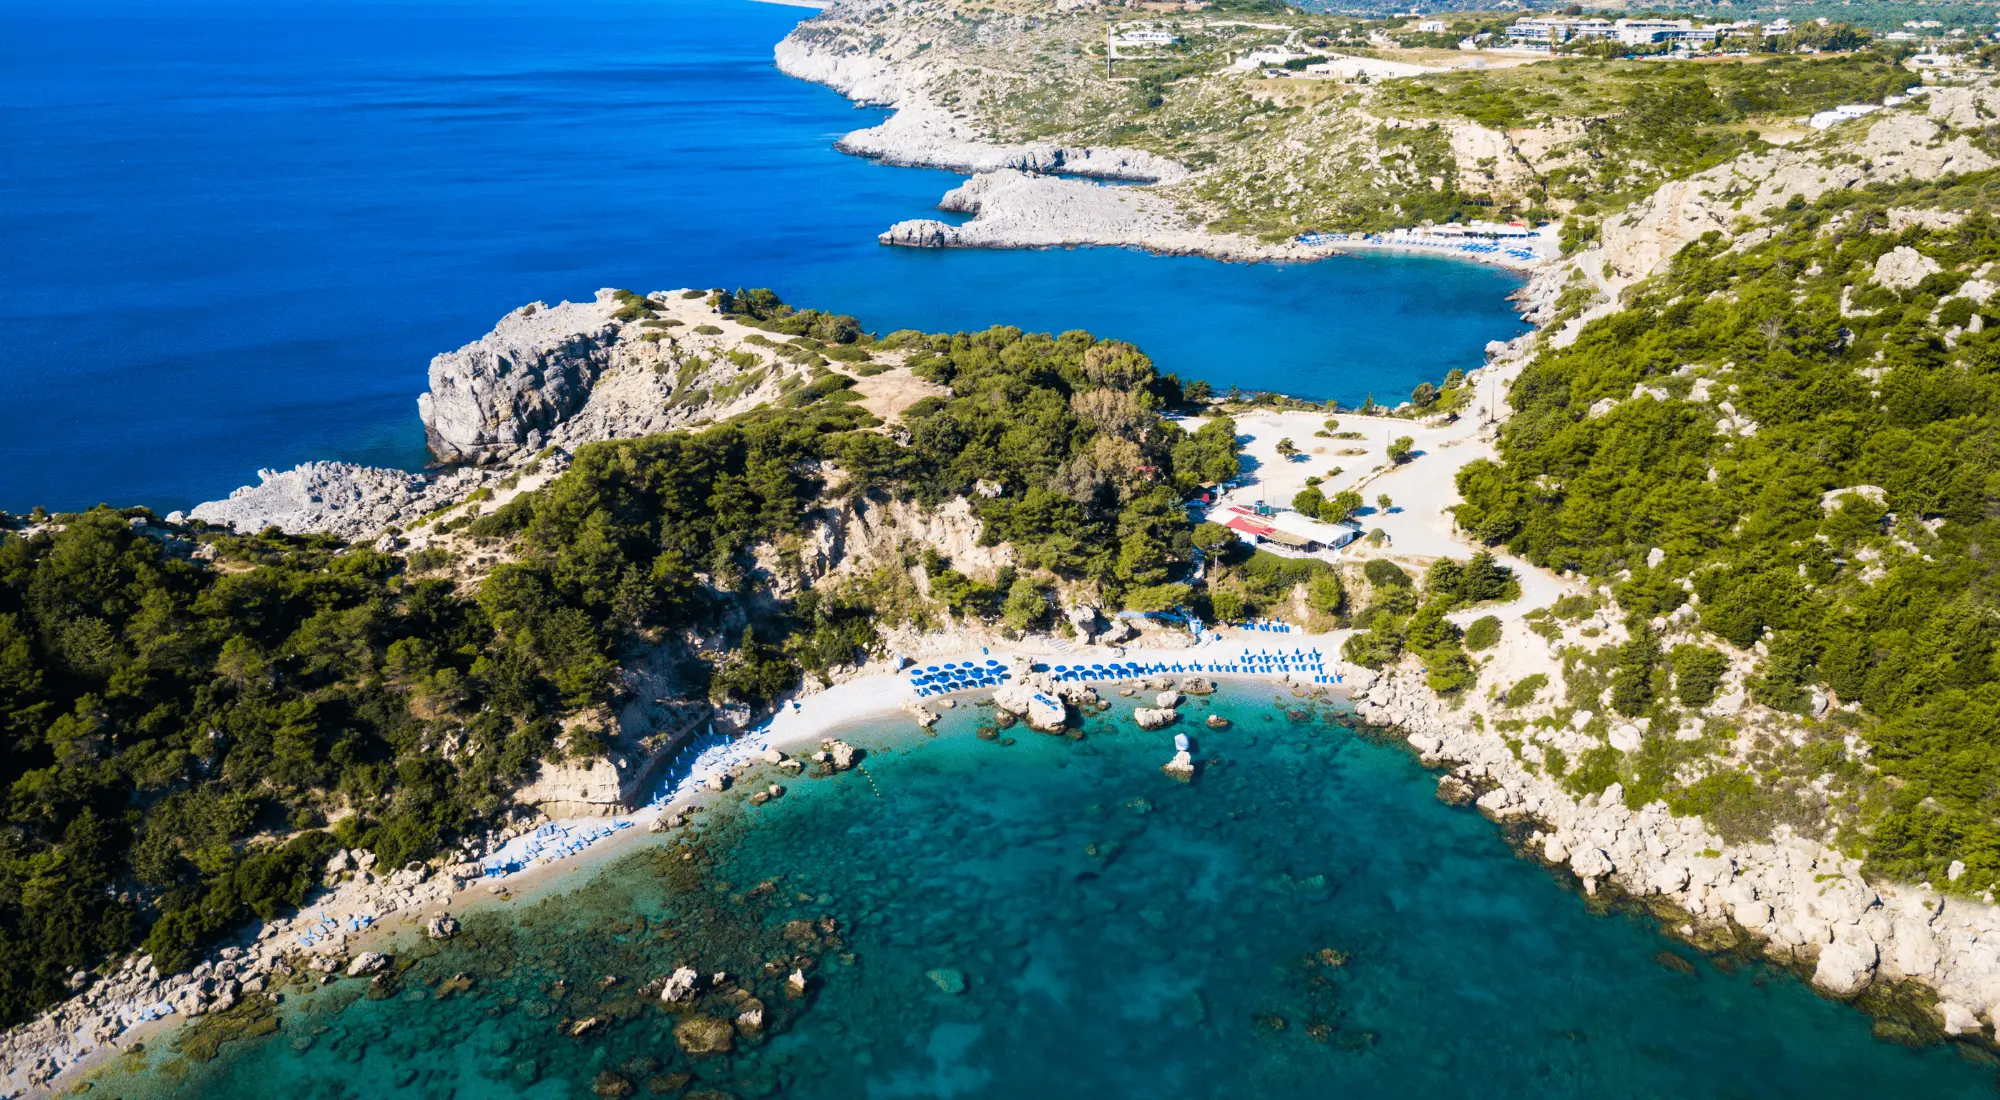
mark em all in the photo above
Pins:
pixel 237 231
pixel 1306 919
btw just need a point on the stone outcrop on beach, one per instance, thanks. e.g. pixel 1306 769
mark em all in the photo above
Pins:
pixel 1034 704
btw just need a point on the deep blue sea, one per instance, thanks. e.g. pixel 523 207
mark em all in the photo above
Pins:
pixel 232 234
pixel 1042 917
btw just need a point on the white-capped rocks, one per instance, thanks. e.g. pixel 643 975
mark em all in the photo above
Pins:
pixel 680 986
pixel 1180 768
pixel 1153 718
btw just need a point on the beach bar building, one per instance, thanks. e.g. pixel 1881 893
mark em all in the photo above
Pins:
pixel 1286 530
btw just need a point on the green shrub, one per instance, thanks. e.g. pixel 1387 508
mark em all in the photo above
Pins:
pixel 1382 572
pixel 1484 633
pixel 1524 690
pixel 1698 672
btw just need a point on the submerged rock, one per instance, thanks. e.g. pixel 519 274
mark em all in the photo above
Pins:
pixel 948 980
pixel 699 1035
pixel 1217 722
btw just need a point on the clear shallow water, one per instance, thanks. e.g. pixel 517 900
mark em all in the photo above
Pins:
pixel 1181 959
pixel 233 233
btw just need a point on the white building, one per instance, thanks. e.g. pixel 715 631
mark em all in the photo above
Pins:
pixel 1841 115
pixel 1554 31
pixel 1431 26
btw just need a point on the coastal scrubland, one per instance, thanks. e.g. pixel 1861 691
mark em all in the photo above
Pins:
pixel 1836 523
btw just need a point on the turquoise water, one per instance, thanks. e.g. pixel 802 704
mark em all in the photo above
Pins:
pixel 1304 920
pixel 237 230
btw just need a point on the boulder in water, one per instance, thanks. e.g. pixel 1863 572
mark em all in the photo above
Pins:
pixel 948 980
pixel 1453 791
pixel 1181 767
pixel 1153 718
pixel 680 986
pixel 368 962
pixel 1217 722
pixel 841 755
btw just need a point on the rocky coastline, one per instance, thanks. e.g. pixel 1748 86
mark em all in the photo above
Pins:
pixel 1033 195
pixel 1022 196
pixel 1801 903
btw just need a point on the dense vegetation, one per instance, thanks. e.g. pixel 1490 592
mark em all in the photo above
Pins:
pixel 1398 618
pixel 1741 397
pixel 194 721
pixel 177 733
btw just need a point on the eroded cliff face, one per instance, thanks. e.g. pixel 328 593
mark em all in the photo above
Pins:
pixel 508 389
pixel 516 402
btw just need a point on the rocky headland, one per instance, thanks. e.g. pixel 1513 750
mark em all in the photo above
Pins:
pixel 506 411
pixel 1023 195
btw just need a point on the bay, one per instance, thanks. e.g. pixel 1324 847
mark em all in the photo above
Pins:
pixel 235 232
pixel 1305 919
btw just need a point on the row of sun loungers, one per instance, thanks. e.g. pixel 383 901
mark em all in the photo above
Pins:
pixel 956 676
